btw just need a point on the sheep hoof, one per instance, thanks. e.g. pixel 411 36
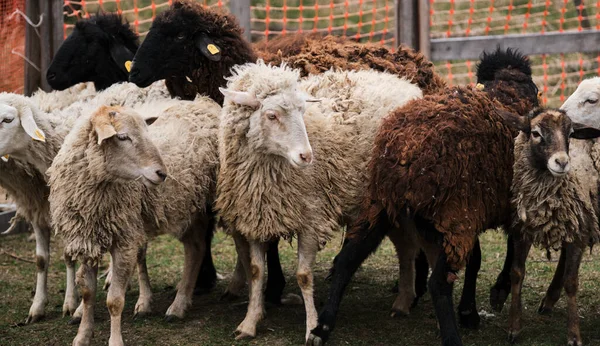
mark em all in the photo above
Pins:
pixel 543 309
pixel 33 318
pixel 469 319
pixel 319 335
pixel 172 318
pixel 399 313
pixel 512 336
pixel 574 342
pixel 240 335
pixel 498 296
pixel 74 321
pixel 140 315
pixel 229 297
pixel 314 341
pixel 292 299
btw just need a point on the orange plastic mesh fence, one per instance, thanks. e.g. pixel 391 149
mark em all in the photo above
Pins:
pixel 557 75
pixel 12 46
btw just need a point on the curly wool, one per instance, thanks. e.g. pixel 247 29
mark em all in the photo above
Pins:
pixel 59 99
pixel 263 196
pixel 93 212
pixel 314 54
pixel 551 210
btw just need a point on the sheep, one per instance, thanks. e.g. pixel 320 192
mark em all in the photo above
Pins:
pixel 313 54
pixel 425 176
pixel 107 171
pixel 266 157
pixel 555 206
pixel 24 178
pixel 96 51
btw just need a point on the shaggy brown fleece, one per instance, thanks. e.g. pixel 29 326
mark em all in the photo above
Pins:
pixel 314 54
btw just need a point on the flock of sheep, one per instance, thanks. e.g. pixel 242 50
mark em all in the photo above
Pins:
pixel 295 139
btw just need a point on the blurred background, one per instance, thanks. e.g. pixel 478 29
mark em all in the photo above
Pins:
pixel 560 35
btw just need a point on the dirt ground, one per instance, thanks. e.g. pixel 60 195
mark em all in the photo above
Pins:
pixel 364 317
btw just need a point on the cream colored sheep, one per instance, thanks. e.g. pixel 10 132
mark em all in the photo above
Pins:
pixel 107 170
pixel 268 185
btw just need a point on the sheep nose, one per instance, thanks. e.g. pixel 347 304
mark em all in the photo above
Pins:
pixel 162 175
pixel 562 162
pixel 51 76
pixel 306 157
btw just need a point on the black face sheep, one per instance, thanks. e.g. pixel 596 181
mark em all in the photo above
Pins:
pixel 268 140
pixel 426 175
pixel 110 170
pixel 96 51
pixel 555 202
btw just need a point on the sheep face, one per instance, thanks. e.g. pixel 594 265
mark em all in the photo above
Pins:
pixel 181 38
pixel 277 126
pixel 126 147
pixel 92 54
pixel 17 125
pixel 583 106
pixel 548 132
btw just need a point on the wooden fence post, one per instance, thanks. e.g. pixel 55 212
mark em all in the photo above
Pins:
pixel 412 24
pixel 32 48
pixel 241 9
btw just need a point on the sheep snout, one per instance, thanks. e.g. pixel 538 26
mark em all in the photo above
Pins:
pixel 558 164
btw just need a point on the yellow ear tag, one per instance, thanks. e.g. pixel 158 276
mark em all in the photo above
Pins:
pixel 5 158
pixel 39 136
pixel 128 65
pixel 212 49
pixel 480 86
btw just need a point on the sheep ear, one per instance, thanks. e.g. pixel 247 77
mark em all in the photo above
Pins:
pixel 150 121
pixel 581 131
pixel 208 47
pixel 515 121
pixel 240 97
pixel 30 126
pixel 121 56
pixel 103 125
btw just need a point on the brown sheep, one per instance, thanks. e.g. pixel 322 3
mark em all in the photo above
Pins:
pixel 441 168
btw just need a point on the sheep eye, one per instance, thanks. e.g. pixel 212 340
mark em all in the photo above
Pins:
pixel 271 115
pixel 535 134
pixel 8 120
pixel 123 137
pixel 592 102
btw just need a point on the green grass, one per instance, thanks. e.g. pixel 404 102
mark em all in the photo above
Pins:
pixel 364 318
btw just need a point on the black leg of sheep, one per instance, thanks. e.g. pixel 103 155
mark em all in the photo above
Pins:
pixel 207 278
pixel 501 289
pixel 275 279
pixel 421 276
pixel 441 294
pixel 467 308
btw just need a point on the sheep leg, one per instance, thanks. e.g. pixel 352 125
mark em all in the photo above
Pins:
pixel 86 280
pixel 256 309
pixel 366 238
pixel 122 269
pixel 467 308
pixel 42 259
pixel 207 278
pixel 406 250
pixel 421 275
pixel 194 247
pixel 521 250
pixel 71 297
pixel 108 274
pixel 307 252
pixel 558 281
pixel 237 282
pixel 574 255
pixel 499 292
pixel 143 307
pixel 275 279
pixel 441 295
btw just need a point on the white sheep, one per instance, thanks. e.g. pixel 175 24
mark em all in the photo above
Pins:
pixel 268 185
pixel 107 170
pixel 555 203
pixel 21 120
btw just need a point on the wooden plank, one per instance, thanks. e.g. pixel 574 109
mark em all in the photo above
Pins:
pixel 45 30
pixel 241 9
pixel 32 48
pixel 57 25
pixel 407 23
pixel 460 48
pixel 424 30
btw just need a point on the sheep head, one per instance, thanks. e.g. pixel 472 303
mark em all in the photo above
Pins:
pixel 125 144
pixel 582 106
pixel 96 51
pixel 17 125
pixel 548 132
pixel 193 48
